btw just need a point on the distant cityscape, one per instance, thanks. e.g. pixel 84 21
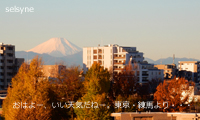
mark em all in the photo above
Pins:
pixel 113 57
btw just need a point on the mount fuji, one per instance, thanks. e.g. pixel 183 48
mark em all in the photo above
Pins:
pixel 56 47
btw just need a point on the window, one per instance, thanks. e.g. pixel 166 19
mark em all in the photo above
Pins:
pixel 99 51
pixel 94 57
pixel 95 51
pixel 143 118
pixel 100 57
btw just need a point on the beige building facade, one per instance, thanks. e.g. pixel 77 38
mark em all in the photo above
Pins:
pixel 191 66
pixel 155 116
pixel 112 57
pixel 52 70
pixel 169 70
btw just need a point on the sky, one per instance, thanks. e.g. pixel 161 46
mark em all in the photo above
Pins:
pixel 158 28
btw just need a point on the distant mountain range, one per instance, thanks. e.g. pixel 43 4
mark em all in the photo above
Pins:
pixel 57 50
pixel 169 60
pixel 75 59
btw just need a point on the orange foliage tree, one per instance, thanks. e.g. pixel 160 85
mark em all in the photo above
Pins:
pixel 29 89
pixel 174 92
pixel 67 86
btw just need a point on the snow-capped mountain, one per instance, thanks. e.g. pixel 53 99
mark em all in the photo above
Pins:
pixel 57 47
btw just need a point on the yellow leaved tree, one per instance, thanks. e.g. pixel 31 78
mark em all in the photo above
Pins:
pixel 28 97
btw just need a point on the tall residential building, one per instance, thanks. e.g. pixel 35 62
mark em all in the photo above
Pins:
pixel 9 65
pixel 191 66
pixel 115 57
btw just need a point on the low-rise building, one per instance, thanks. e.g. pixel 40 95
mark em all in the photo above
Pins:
pixel 169 70
pixel 147 72
pixel 191 66
pixel 155 116
pixel 52 70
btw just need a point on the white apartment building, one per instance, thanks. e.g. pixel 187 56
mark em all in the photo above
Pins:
pixel 112 57
pixel 191 66
pixel 9 65
pixel 115 57
pixel 147 72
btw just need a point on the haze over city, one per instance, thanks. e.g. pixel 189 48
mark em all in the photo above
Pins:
pixel 159 29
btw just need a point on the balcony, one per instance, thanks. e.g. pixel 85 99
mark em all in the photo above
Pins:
pixel 118 68
pixel 100 51
pixel 1 83
pixel 9 51
pixel 9 64
pixel 10 57
pixel 10 70
pixel 118 63
pixel 145 74
pixel 119 57
pixel 100 57
pixel 9 77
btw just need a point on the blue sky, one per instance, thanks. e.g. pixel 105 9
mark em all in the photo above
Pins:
pixel 156 27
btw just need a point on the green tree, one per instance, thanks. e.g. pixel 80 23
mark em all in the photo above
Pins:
pixel 29 89
pixel 96 85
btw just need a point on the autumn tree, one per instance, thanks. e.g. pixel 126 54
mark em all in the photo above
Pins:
pixel 67 86
pixel 96 85
pixel 124 83
pixel 146 90
pixel 28 97
pixel 175 92
pixel 124 88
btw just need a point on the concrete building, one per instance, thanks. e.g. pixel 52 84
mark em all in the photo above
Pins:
pixel 115 57
pixel 52 70
pixel 155 116
pixel 9 65
pixel 191 66
pixel 169 70
pixel 147 72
